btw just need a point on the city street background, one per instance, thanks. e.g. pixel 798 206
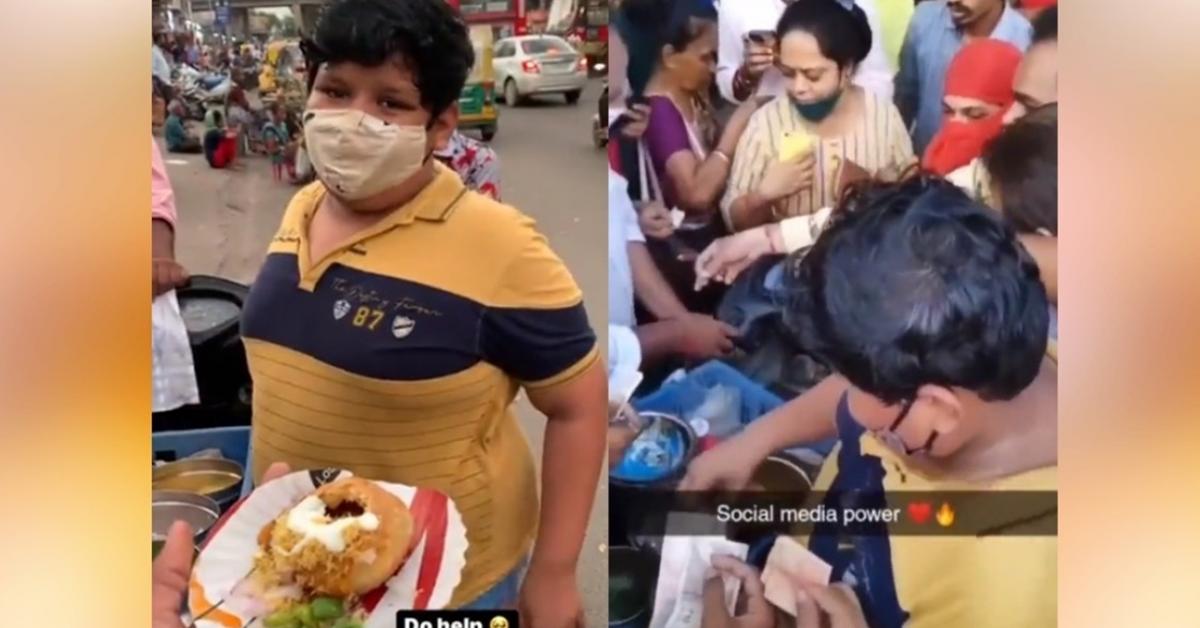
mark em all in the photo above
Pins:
pixel 549 169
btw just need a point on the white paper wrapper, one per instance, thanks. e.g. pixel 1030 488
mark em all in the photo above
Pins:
pixel 425 581
pixel 172 370
pixel 679 596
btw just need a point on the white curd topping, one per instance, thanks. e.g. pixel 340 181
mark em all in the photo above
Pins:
pixel 309 520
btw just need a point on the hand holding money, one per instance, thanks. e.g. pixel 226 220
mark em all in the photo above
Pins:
pixel 791 566
pixel 758 613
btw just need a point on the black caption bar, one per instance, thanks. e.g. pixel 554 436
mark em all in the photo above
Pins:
pixel 457 619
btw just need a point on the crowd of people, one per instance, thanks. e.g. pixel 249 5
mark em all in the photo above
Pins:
pixel 903 157
pixel 235 127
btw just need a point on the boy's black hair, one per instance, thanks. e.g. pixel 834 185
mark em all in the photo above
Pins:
pixel 218 119
pixel 429 35
pixel 1045 25
pixel 844 35
pixel 1023 164
pixel 913 284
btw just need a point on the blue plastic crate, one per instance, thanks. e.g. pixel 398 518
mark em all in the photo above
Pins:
pixel 234 443
pixel 680 397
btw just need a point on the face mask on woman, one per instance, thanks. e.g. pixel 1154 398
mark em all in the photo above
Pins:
pixel 818 111
pixel 357 155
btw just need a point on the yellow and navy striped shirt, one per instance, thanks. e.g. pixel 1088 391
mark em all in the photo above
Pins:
pixel 399 355
pixel 879 140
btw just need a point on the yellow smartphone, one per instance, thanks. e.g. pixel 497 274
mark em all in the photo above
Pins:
pixel 795 144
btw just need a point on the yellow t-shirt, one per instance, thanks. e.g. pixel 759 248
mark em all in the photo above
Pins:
pixel 398 356
pixel 985 581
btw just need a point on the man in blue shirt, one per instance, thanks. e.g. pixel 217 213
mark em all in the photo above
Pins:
pixel 937 31
pixel 178 139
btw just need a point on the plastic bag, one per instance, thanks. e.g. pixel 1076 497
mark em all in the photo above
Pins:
pixel 172 369
pixel 718 414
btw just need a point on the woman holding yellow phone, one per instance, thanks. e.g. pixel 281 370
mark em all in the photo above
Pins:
pixel 792 157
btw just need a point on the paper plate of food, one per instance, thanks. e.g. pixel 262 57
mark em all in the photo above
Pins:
pixel 326 549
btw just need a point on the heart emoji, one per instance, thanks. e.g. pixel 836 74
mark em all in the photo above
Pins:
pixel 919 512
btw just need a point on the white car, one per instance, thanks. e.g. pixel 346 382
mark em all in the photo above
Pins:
pixel 538 64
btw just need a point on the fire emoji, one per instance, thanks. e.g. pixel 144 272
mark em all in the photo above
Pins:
pixel 945 515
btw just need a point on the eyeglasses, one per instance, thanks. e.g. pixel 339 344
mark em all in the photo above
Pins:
pixel 892 440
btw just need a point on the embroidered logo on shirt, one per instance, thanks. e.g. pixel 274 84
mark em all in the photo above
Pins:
pixel 402 326
pixel 341 309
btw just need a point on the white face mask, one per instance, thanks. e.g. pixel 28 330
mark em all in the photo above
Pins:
pixel 357 155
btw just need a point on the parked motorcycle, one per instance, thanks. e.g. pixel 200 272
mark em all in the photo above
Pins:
pixel 197 91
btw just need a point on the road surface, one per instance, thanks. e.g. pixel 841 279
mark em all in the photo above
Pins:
pixel 549 169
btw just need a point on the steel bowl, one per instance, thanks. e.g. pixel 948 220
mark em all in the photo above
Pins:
pixel 167 507
pixel 781 473
pixel 784 481
pixel 679 435
pixel 216 478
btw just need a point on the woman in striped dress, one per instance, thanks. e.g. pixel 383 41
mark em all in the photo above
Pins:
pixel 853 133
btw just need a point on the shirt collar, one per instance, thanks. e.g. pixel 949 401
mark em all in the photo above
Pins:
pixel 434 203
pixel 439 199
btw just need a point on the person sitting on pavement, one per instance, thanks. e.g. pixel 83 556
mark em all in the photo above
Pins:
pixel 243 118
pixel 220 142
pixel 935 320
pixel 175 133
pixel 474 161
pixel 412 312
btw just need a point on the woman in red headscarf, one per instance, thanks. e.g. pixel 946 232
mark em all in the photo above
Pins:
pixel 979 89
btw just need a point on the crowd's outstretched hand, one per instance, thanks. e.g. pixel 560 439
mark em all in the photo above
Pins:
pixel 655 220
pixel 725 258
pixel 724 467
pixel 703 337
